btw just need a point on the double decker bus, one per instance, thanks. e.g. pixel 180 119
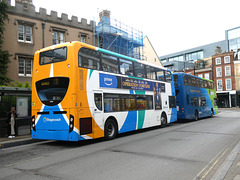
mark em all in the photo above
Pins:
pixel 83 92
pixel 195 97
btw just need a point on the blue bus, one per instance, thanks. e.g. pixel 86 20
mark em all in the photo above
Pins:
pixel 195 97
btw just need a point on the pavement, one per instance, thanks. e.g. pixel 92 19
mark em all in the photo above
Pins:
pixel 6 142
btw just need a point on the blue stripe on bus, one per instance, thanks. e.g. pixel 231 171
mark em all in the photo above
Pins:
pixel 130 122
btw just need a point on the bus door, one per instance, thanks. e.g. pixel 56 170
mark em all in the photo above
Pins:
pixel 98 107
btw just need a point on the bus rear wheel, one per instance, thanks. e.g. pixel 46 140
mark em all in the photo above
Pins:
pixel 110 130
pixel 212 113
pixel 163 121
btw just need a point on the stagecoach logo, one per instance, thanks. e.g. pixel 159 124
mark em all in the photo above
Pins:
pixel 50 120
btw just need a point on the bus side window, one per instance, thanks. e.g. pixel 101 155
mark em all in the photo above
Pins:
pixel 128 102
pixel 111 102
pixel 203 101
pixel 98 100
pixel 195 102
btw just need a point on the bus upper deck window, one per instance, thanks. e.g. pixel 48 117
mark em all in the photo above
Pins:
pixel 139 69
pixel 160 75
pixel 126 67
pixel 89 58
pixel 168 76
pixel 109 63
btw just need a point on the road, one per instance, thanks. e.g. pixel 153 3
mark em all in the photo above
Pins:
pixel 183 151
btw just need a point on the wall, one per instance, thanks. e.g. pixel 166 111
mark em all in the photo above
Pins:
pixel 149 53
pixel 237 74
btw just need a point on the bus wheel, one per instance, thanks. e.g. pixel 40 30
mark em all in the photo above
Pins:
pixel 163 120
pixel 110 130
pixel 196 115
pixel 212 113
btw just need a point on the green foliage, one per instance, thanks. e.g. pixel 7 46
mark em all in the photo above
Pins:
pixel 4 55
pixel 3 18
pixel 18 84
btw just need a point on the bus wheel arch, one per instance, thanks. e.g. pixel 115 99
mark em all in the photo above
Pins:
pixel 110 128
pixel 163 119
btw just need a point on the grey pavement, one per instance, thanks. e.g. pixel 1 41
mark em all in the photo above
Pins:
pixel 6 142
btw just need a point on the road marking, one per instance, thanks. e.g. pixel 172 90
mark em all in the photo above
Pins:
pixel 20 162
pixel 214 161
pixel 206 173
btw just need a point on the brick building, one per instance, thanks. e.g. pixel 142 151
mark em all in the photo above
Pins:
pixel 202 68
pixel 28 31
pixel 224 79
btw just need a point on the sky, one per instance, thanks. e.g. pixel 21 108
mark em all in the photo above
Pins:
pixel 171 25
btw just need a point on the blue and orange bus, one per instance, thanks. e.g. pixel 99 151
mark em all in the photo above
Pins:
pixel 195 97
pixel 83 92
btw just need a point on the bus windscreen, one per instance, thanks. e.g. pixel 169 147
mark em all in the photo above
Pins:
pixel 52 56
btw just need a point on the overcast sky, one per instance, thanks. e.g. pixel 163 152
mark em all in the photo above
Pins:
pixel 171 25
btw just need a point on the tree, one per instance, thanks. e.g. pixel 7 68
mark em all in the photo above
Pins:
pixel 4 55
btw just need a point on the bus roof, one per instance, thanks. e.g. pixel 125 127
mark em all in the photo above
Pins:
pixel 103 51
pixel 182 73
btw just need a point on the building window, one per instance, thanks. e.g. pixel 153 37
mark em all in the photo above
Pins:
pixel 234 39
pixel 227 59
pixel 58 37
pixel 218 61
pixel 200 75
pixel 24 33
pixel 194 56
pixel 219 85
pixel 228 84
pixel 25 66
pixel 83 39
pixel 218 72
pixel 227 71
pixel 206 76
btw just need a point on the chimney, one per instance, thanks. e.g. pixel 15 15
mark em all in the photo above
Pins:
pixel 218 50
pixel 25 3
pixel 104 13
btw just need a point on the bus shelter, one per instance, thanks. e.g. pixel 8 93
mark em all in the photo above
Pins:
pixel 20 98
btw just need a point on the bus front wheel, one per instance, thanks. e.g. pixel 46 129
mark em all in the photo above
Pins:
pixel 196 116
pixel 110 130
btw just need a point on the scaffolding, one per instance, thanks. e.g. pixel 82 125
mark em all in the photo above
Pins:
pixel 117 37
